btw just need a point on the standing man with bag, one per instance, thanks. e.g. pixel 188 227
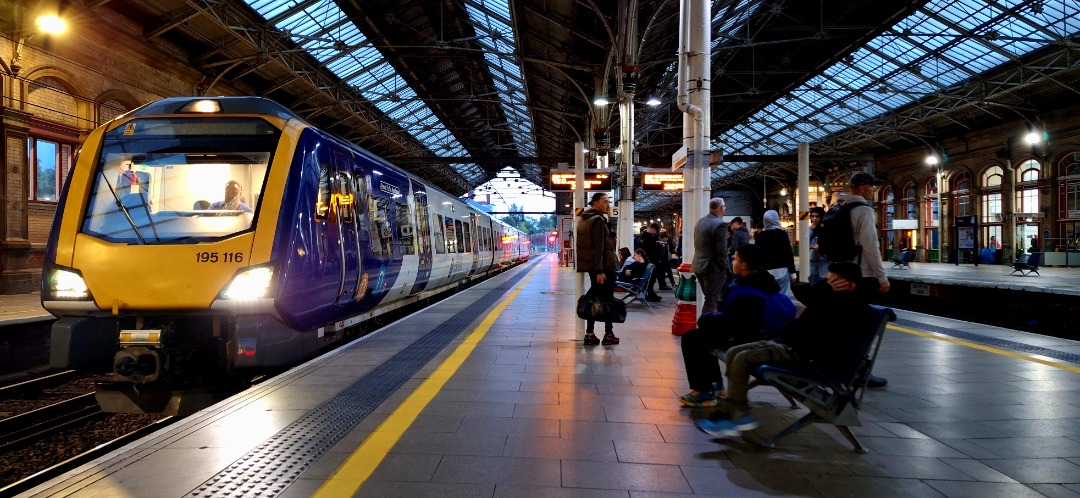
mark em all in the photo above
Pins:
pixel 711 254
pixel 596 256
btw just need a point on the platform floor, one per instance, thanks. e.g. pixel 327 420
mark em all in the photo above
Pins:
pixel 515 405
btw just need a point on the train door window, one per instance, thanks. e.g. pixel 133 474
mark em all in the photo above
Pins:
pixel 346 199
pixel 322 204
pixel 381 236
pixel 451 238
pixel 459 231
pixel 406 230
pixel 468 237
pixel 422 223
pixel 440 237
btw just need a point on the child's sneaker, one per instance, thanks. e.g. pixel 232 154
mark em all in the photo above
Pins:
pixel 696 399
pixel 718 428
pixel 745 422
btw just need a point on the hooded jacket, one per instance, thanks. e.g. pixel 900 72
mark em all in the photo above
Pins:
pixel 595 247
pixel 741 316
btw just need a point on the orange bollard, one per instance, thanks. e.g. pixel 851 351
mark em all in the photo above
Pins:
pixel 685 318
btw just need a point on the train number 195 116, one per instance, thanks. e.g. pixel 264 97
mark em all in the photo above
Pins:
pixel 219 257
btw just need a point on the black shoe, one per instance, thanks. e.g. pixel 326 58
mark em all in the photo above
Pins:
pixel 665 288
pixel 653 298
pixel 875 381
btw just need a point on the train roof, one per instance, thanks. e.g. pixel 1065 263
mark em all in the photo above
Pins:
pixel 224 105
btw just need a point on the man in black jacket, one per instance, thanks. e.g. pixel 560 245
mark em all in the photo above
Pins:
pixel 650 242
pixel 739 320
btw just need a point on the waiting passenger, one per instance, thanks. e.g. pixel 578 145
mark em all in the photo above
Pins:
pixel 624 256
pixel 633 268
pixel 828 332
pixel 596 256
pixel 740 320
pixel 232 202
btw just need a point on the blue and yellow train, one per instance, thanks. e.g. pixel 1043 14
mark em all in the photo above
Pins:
pixel 201 238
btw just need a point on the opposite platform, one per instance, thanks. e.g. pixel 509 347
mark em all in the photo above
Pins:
pixel 530 411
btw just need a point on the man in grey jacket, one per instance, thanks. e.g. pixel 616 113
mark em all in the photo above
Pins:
pixel 711 254
pixel 864 228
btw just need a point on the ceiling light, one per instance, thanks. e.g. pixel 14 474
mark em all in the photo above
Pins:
pixel 1033 137
pixel 599 100
pixel 652 102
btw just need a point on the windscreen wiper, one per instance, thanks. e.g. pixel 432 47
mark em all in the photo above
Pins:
pixel 124 209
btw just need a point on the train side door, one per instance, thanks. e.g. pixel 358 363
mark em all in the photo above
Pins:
pixel 423 234
pixel 344 201
pixel 472 243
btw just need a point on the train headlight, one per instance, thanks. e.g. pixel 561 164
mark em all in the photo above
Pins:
pixel 253 283
pixel 66 285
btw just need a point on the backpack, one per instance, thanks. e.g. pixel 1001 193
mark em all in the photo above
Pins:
pixel 777 311
pixel 835 237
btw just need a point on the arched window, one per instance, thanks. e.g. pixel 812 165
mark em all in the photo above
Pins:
pixel 991 194
pixel 886 198
pixel 1069 200
pixel 909 201
pixel 961 188
pixel 1027 187
pixel 930 199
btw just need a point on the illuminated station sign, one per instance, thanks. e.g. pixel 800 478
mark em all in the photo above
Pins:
pixel 662 181
pixel 593 181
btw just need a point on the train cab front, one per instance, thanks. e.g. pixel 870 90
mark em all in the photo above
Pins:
pixel 160 224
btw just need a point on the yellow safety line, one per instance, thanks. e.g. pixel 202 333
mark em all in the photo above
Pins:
pixel 348 478
pixel 990 349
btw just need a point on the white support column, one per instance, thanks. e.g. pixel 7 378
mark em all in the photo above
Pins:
pixel 626 205
pixel 804 206
pixel 579 203
pixel 694 100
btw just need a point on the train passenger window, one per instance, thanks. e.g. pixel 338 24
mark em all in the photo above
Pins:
pixel 460 236
pixel 487 239
pixel 406 230
pixel 451 238
pixel 440 238
pixel 468 237
pixel 381 236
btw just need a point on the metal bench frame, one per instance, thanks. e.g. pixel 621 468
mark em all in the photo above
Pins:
pixel 1028 264
pixel 638 289
pixel 903 259
pixel 831 399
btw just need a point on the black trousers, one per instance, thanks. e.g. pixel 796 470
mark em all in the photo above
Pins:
pixel 702 367
pixel 604 291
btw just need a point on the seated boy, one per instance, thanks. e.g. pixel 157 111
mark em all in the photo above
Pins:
pixel 828 332
pixel 739 320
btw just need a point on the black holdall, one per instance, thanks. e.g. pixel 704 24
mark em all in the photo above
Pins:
pixel 598 310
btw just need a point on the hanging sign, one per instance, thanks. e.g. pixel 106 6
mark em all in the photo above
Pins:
pixel 662 181
pixel 593 181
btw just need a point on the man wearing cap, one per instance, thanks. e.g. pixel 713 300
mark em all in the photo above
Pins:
pixel 711 254
pixel 864 227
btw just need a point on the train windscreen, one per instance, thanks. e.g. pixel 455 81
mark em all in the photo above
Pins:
pixel 179 180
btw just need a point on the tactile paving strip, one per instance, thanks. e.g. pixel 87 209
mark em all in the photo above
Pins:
pixel 994 341
pixel 271 467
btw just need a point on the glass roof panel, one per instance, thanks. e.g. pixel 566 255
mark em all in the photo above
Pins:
pixel 491 19
pixel 325 31
pixel 943 43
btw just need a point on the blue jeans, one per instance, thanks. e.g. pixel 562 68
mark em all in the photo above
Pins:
pixel 819 270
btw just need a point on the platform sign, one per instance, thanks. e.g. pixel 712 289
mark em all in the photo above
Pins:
pixel 593 181
pixel 662 181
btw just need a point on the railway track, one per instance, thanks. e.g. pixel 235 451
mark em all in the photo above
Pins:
pixel 25 428
pixel 85 457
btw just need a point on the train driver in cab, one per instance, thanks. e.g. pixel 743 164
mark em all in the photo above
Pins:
pixel 232 202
